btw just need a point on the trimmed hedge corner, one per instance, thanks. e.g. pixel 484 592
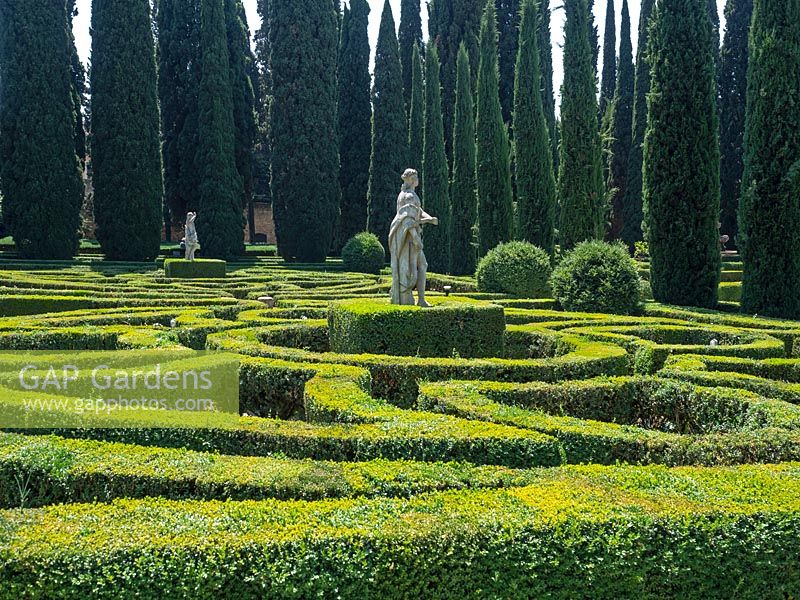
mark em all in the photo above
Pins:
pixel 200 268
pixel 445 330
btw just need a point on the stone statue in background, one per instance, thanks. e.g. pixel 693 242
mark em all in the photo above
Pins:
pixel 409 267
pixel 190 239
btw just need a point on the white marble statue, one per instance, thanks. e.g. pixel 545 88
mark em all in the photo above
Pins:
pixel 191 241
pixel 409 267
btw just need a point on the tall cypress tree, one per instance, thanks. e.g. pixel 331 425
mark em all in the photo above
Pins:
pixel 126 148
pixel 178 82
pixel 40 173
pixel 416 122
pixel 78 87
pixel 621 129
pixel 594 34
pixel 508 19
pixel 713 14
pixel 219 204
pixel 389 132
pixel 681 157
pixel 451 22
pixel 495 216
pixel 632 215
pixel 241 61
pixel 305 155
pixel 536 185
pixel 463 200
pixel 435 172
pixel 769 214
pixel 609 82
pixel 733 92
pixel 355 120
pixel 409 36
pixel 545 44
pixel 581 191
pixel 262 158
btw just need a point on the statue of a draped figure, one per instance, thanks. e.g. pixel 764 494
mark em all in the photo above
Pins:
pixel 191 241
pixel 409 267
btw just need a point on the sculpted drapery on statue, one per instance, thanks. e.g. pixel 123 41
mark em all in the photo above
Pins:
pixel 190 239
pixel 409 267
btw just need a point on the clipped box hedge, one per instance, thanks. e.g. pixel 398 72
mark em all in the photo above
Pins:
pixel 200 268
pixel 580 532
pixel 444 330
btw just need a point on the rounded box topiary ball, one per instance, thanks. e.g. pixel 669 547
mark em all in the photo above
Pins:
pixel 598 277
pixel 364 253
pixel 516 268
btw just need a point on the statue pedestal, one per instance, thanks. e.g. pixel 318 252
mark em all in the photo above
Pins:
pixel 452 328
pixel 199 268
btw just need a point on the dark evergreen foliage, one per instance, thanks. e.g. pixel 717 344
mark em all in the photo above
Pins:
pixel 416 121
pixel 632 215
pixel 262 88
pixel 463 198
pixel 243 93
pixel 545 44
pixel 451 22
pixel 220 193
pixel 178 83
pixel 621 124
pixel 435 172
pixel 126 146
pixel 355 120
pixel 536 185
pixel 78 88
pixel 508 19
pixel 733 95
pixel 681 157
pixel 609 80
pixel 389 131
pixel 41 181
pixel 409 36
pixel 495 214
pixel 581 191
pixel 769 214
pixel 305 156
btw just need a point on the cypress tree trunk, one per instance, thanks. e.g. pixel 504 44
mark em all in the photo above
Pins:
pixel 621 127
pixel 41 182
pixel 681 157
pixel 242 91
pixel 178 82
pixel 632 215
pixel 609 83
pixel 545 44
pixel 464 202
pixel 769 214
pixel 409 36
pixel 389 132
pixel 220 224
pixel 536 185
pixel 435 172
pixel 126 149
pixel 305 156
pixel 495 214
pixel 581 192
pixel 355 121
pixel 416 127
pixel 508 19
pixel 733 92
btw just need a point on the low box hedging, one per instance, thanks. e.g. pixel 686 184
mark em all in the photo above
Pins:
pixel 590 441
pixel 597 532
pixel 40 470
pixel 395 378
pixel 200 268
pixel 444 330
